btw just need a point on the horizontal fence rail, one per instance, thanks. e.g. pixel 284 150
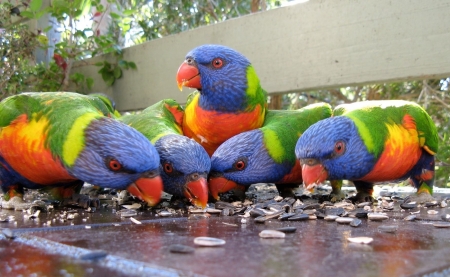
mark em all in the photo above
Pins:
pixel 316 44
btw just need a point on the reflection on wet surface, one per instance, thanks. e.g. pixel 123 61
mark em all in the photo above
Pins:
pixel 317 248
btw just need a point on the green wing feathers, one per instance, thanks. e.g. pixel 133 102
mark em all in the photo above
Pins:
pixel 372 117
pixel 162 118
pixel 282 128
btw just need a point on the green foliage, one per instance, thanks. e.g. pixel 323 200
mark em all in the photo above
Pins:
pixel 18 43
pixel 161 18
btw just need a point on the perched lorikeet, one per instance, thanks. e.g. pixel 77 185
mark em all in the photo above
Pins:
pixel 184 164
pixel 264 155
pixel 230 99
pixel 369 142
pixel 61 140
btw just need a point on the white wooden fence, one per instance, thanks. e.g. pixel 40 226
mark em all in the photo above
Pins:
pixel 317 44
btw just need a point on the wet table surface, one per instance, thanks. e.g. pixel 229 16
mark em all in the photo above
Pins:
pixel 104 244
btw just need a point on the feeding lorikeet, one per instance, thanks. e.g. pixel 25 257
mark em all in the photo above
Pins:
pixel 61 140
pixel 184 164
pixel 369 142
pixel 230 99
pixel 264 155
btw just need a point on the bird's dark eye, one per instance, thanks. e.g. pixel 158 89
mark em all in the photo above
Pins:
pixel 217 63
pixel 239 165
pixel 168 168
pixel 114 165
pixel 339 147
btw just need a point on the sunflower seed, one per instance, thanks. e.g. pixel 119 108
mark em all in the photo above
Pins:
pixel 272 234
pixel 208 241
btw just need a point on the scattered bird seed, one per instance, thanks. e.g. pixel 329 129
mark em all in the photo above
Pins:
pixel 229 224
pixel 272 234
pixel 356 222
pixel 410 217
pixel 407 206
pixel 445 217
pixel 87 227
pixel 299 217
pixel 286 216
pixel 134 206
pixel 127 213
pixel 431 204
pixel 287 229
pixel 432 212
pixel 213 211
pixel 94 255
pixel 441 225
pixel 331 217
pixel 443 204
pixel 179 248
pixel 364 204
pixel 344 220
pixel 208 241
pixel 196 211
pixel 8 233
pixel 377 216
pixel 388 228
pixel 135 221
pixel 164 213
pixel 363 240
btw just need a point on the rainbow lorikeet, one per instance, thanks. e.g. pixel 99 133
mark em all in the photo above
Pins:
pixel 184 164
pixel 368 142
pixel 264 155
pixel 230 99
pixel 59 140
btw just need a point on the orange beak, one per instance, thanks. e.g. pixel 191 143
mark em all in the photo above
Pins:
pixel 219 185
pixel 313 175
pixel 188 76
pixel 197 192
pixel 147 189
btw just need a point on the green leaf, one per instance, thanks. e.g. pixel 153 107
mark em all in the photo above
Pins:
pixel 89 82
pixel 114 15
pixel 99 63
pixel 132 65
pixel 35 5
pixel 46 29
pixel 117 72
pixel 27 14
pixel 129 12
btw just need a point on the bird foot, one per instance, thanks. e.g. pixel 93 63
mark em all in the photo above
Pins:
pixel 15 203
pixel 336 197
pixel 419 198
pixel 362 196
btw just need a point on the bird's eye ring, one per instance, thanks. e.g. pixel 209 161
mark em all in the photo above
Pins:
pixel 168 168
pixel 240 165
pixel 217 63
pixel 114 165
pixel 339 147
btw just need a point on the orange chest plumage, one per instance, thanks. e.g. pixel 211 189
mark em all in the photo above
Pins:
pixel 402 150
pixel 211 128
pixel 22 145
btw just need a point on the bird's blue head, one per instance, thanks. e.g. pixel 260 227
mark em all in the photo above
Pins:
pixel 244 160
pixel 184 165
pixel 117 156
pixel 223 76
pixel 332 149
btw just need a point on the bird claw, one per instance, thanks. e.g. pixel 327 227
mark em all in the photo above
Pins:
pixel 362 197
pixel 336 197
